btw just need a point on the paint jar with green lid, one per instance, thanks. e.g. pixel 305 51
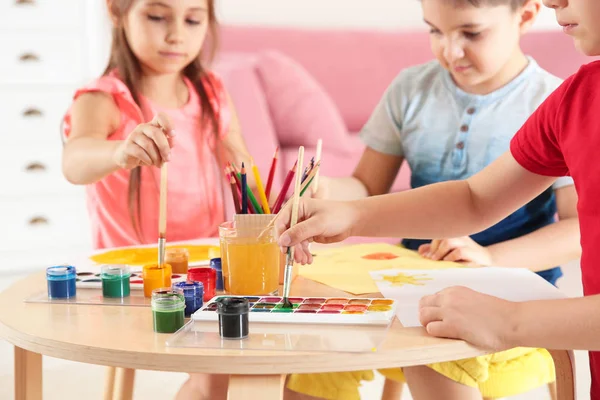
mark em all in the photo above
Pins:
pixel 115 280
pixel 168 310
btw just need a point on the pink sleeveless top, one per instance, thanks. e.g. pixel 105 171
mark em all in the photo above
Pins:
pixel 194 195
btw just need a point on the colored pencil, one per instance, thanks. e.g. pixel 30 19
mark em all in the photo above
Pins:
pixel 287 277
pixel 252 202
pixel 285 188
pixel 303 188
pixel 308 169
pixel 238 176
pixel 272 173
pixel 261 191
pixel 244 191
pixel 234 191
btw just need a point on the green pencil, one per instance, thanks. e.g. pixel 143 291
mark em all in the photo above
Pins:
pixel 255 204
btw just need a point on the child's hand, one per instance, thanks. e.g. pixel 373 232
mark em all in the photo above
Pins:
pixel 463 250
pixel 322 191
pixel 321 221
pixel 461 313
pixel 148 144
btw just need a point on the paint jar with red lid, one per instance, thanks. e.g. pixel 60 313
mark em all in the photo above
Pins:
pixel 207 276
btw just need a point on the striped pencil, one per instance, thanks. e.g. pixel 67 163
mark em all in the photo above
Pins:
pixel 244 191
pixel 285 188
pixel 272 173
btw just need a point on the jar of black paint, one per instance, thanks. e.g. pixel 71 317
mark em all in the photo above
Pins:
pixel 233 317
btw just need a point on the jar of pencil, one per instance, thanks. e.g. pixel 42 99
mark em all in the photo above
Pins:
pixel 250 259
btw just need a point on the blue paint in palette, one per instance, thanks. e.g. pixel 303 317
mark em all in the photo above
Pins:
pixel 61 281
pixel 193 292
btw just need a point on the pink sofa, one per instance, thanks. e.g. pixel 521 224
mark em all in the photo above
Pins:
pixel 346 74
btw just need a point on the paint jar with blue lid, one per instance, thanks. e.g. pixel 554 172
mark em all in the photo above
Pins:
pixel 193 292
pixel 61 281
pixel 115 281
pixel 215 263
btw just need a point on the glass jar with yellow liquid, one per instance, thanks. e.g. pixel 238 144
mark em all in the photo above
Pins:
pixel 250 263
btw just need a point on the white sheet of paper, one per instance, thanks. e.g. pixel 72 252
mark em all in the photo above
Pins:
pixel 513 284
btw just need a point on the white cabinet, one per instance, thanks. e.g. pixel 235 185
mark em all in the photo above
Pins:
pixel 44 59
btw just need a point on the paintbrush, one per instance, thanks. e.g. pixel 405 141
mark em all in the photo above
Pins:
pixel 289 259
pixel 162 216
pixel 309 178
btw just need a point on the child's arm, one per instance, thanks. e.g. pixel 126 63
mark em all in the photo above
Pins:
pixel 549 246
pixel 544 248
pixel 496 324
pixel 446 209
pixel 88 156
pixel 374 175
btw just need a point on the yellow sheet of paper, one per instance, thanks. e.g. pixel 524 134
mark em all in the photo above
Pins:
pixel 347 269
pixel 139 256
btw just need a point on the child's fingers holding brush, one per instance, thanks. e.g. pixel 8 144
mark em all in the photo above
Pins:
pixel 162 121
pixel 159 142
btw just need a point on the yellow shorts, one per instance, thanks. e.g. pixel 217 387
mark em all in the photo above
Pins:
pixel 502 374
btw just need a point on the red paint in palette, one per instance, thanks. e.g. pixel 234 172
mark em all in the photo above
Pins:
pixel 337 301
pixel 309 307
pixel 314 301
pixel 329 312
pixel 333 307
pixel 305 312
pixel 355 307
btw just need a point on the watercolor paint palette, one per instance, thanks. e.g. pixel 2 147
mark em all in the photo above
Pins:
pixel 317 310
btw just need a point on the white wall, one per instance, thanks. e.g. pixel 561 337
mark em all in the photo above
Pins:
pixel 379 14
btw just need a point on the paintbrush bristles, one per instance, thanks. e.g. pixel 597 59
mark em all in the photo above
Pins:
pixel 162 211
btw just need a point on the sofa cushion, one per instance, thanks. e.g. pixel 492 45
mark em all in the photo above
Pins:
pixel 301 110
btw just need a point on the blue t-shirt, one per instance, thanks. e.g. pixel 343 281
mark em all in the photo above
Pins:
pixel 445 134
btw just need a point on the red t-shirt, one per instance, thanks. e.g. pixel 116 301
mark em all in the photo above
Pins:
pixel 563 138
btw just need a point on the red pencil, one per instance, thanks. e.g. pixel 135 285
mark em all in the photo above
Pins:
pixel 284 189
pixel 234 191
pixel 272 173
pixel 236 175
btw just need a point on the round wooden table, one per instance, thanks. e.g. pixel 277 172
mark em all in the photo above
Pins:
pixel 123 337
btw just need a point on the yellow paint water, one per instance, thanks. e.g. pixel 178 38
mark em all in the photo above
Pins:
pixel 147 255
pixel 250 267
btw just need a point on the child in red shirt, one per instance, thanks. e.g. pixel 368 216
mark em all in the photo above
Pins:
pixel 561 138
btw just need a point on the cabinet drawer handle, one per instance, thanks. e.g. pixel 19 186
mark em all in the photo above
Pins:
pixel 24 2
pixel 37 221
pixel 28 57
pixel 32 112
pixel 35 167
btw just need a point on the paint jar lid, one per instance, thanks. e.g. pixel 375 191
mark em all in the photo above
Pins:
pixel 116 271
pixel 215 263
pixel 232 306
pixel 167 299
pixel 61 272
pixel 177 253
pixel 190 288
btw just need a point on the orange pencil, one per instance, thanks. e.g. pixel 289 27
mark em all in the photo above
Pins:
pixel 234 191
